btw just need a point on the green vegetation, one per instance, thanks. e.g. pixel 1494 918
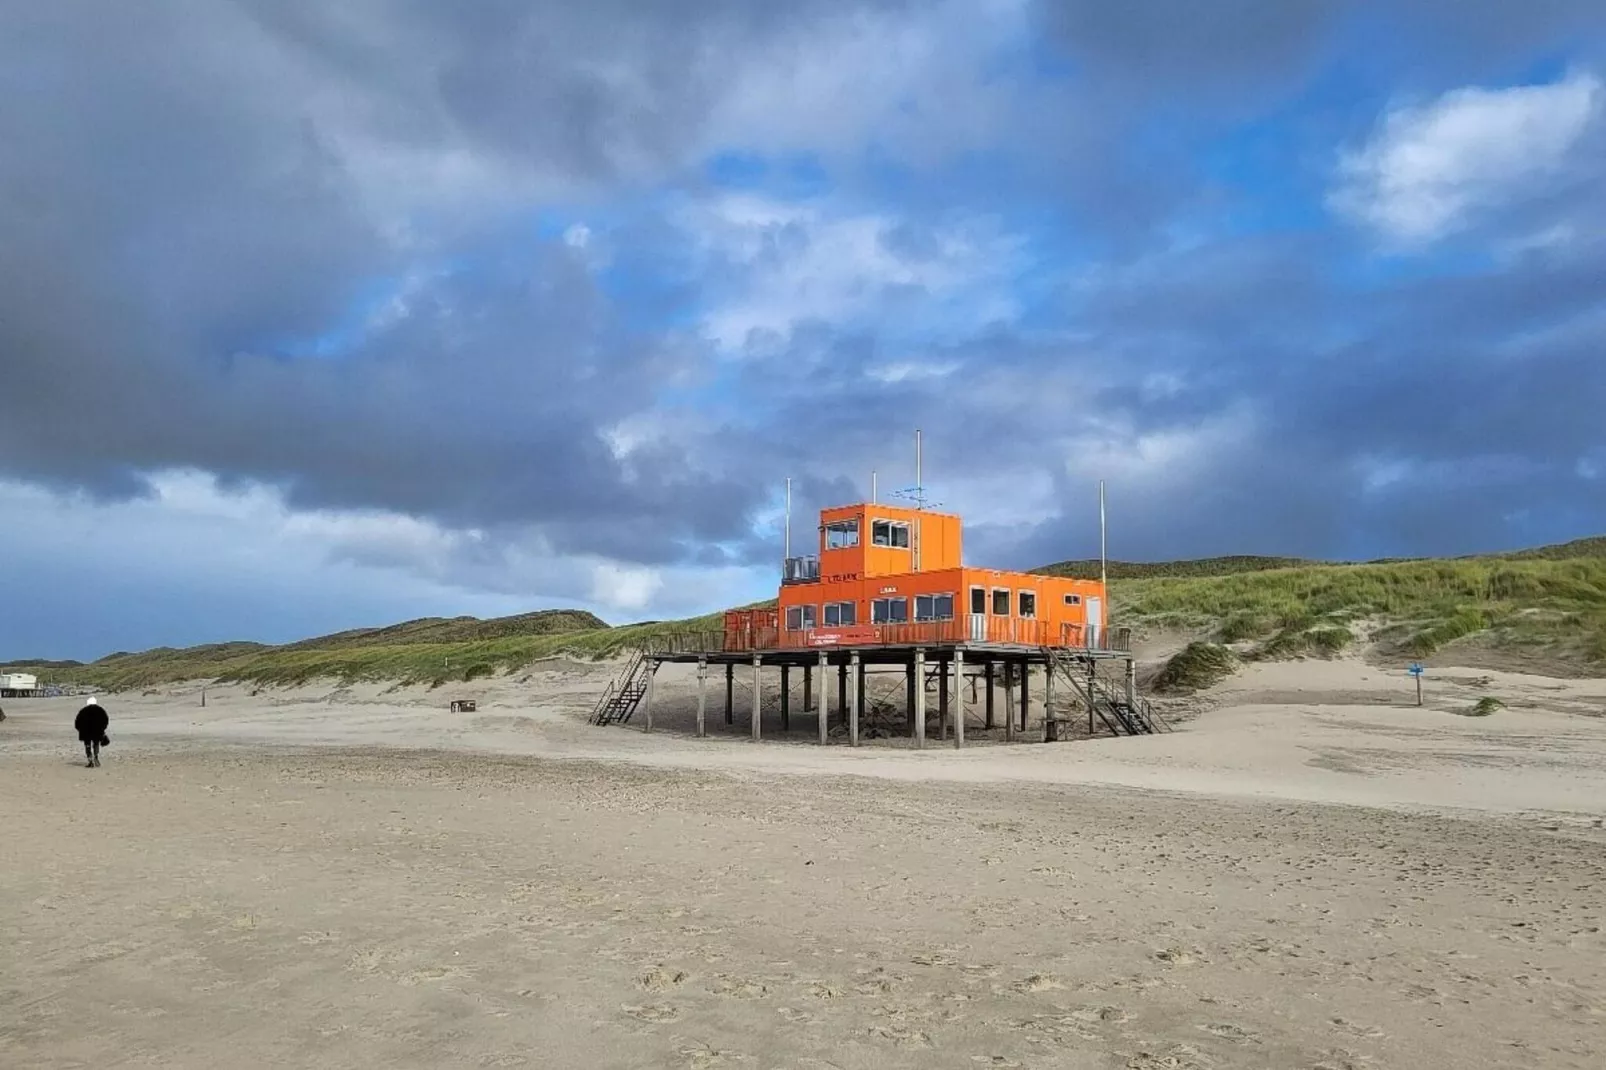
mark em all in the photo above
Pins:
pixel 1549 601
pixel 1138 570
pixel 408 653
pixel 1538 601
pixel 1485 706
pixel 1196 667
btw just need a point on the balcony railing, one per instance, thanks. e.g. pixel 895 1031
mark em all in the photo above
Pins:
pixel 801 570
pixel 758 630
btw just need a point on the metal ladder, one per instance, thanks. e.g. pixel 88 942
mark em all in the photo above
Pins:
pixel 624 693
pixel 1122 717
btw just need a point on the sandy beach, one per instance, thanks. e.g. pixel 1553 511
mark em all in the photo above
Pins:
pixel 1310 872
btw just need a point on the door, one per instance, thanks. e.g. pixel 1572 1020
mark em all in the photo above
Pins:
pixel 1095 618
pixel 978 615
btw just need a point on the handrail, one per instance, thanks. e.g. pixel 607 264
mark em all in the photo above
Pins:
pixel 760 629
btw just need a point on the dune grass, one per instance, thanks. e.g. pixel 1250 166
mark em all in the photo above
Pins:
pixel 1421 605
pixel 1196 667
pixel 1542 600
pixel 399 656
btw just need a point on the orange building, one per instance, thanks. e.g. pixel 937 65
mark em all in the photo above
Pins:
pixel 889 575
pixel 888 591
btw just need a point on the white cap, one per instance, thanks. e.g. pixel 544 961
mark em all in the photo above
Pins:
pixel 93 701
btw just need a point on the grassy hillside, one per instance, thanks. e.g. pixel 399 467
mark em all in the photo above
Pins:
pixel 1541 604
pixel 1143 570
pixel 1549 601
pixel 421 651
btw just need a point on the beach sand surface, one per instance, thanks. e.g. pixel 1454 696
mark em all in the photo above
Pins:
pixel 1311 872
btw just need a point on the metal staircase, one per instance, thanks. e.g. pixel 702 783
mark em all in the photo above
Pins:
pixel 1121 715
pixel 624 693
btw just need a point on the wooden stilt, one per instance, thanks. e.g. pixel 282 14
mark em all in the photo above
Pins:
pixel 942 701
pixel 987 673
pixel 858 699
pixel 1048 698
pixel 918 675
pixel 1025 687
pixel 909 697
pixel 824 726
pixel 959 699
pixel 1009 701
pixel 841 690
pixel 786 698
pixel 646 698
pixel 702 697
pixel 758 691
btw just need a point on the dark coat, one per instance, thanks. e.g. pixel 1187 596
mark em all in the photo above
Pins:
pixel 91 722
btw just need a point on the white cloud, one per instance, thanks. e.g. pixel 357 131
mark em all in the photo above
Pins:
pixel 920 83
pixel 625 587
pixel 1429 169
pixel 790 264
pixel 195 561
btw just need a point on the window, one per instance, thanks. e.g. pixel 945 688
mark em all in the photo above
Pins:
pixel 978 599
pixel 840 614
pixel 799 618
pixel 934 607
pixel 1000 602
pixel 842 534
pixel 1028 604
pixel 1073 599
pixel 893 533
pixel 889 611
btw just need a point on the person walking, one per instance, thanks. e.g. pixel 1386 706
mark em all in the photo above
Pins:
pixel 91 725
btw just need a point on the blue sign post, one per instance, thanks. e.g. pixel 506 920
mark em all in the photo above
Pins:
pixel 1416 670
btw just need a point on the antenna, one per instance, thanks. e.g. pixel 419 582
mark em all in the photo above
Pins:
pixel 1104 579
pixel 788 518
pixel 916 493
pixel 872 486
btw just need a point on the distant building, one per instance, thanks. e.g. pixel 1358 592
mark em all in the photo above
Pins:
pixel 18 685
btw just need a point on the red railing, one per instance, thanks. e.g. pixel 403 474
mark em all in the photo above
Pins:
pixel 760 629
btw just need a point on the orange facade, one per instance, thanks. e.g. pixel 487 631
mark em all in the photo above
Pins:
pixel 886 574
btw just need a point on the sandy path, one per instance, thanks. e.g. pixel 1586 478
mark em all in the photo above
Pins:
pixel 253 884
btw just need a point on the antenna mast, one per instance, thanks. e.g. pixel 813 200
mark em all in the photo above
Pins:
pixel 1104 579
pixel 788 518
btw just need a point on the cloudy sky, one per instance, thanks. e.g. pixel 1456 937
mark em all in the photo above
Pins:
pixel 316 315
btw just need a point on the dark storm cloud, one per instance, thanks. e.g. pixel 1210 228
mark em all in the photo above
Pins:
pixel 186 190
pixel 190 190
pixel 1249 53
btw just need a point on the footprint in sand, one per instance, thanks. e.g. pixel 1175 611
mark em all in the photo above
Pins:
pixel 1037 982
pixel 657 1013
pixel 737 989
pixel 821 990
pixel 1228 1031
pixel 1144 1060
pixel 1102 1015
pixel 1341 1060
pixel 935 959
pixel 1174 956
pixel 1001 1062
pixel 659 979
pixel 903 1038
pixel 795 1016
pixel 706 1058
pixel 1355 1029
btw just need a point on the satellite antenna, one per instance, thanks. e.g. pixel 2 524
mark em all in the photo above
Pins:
pixel 916 494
